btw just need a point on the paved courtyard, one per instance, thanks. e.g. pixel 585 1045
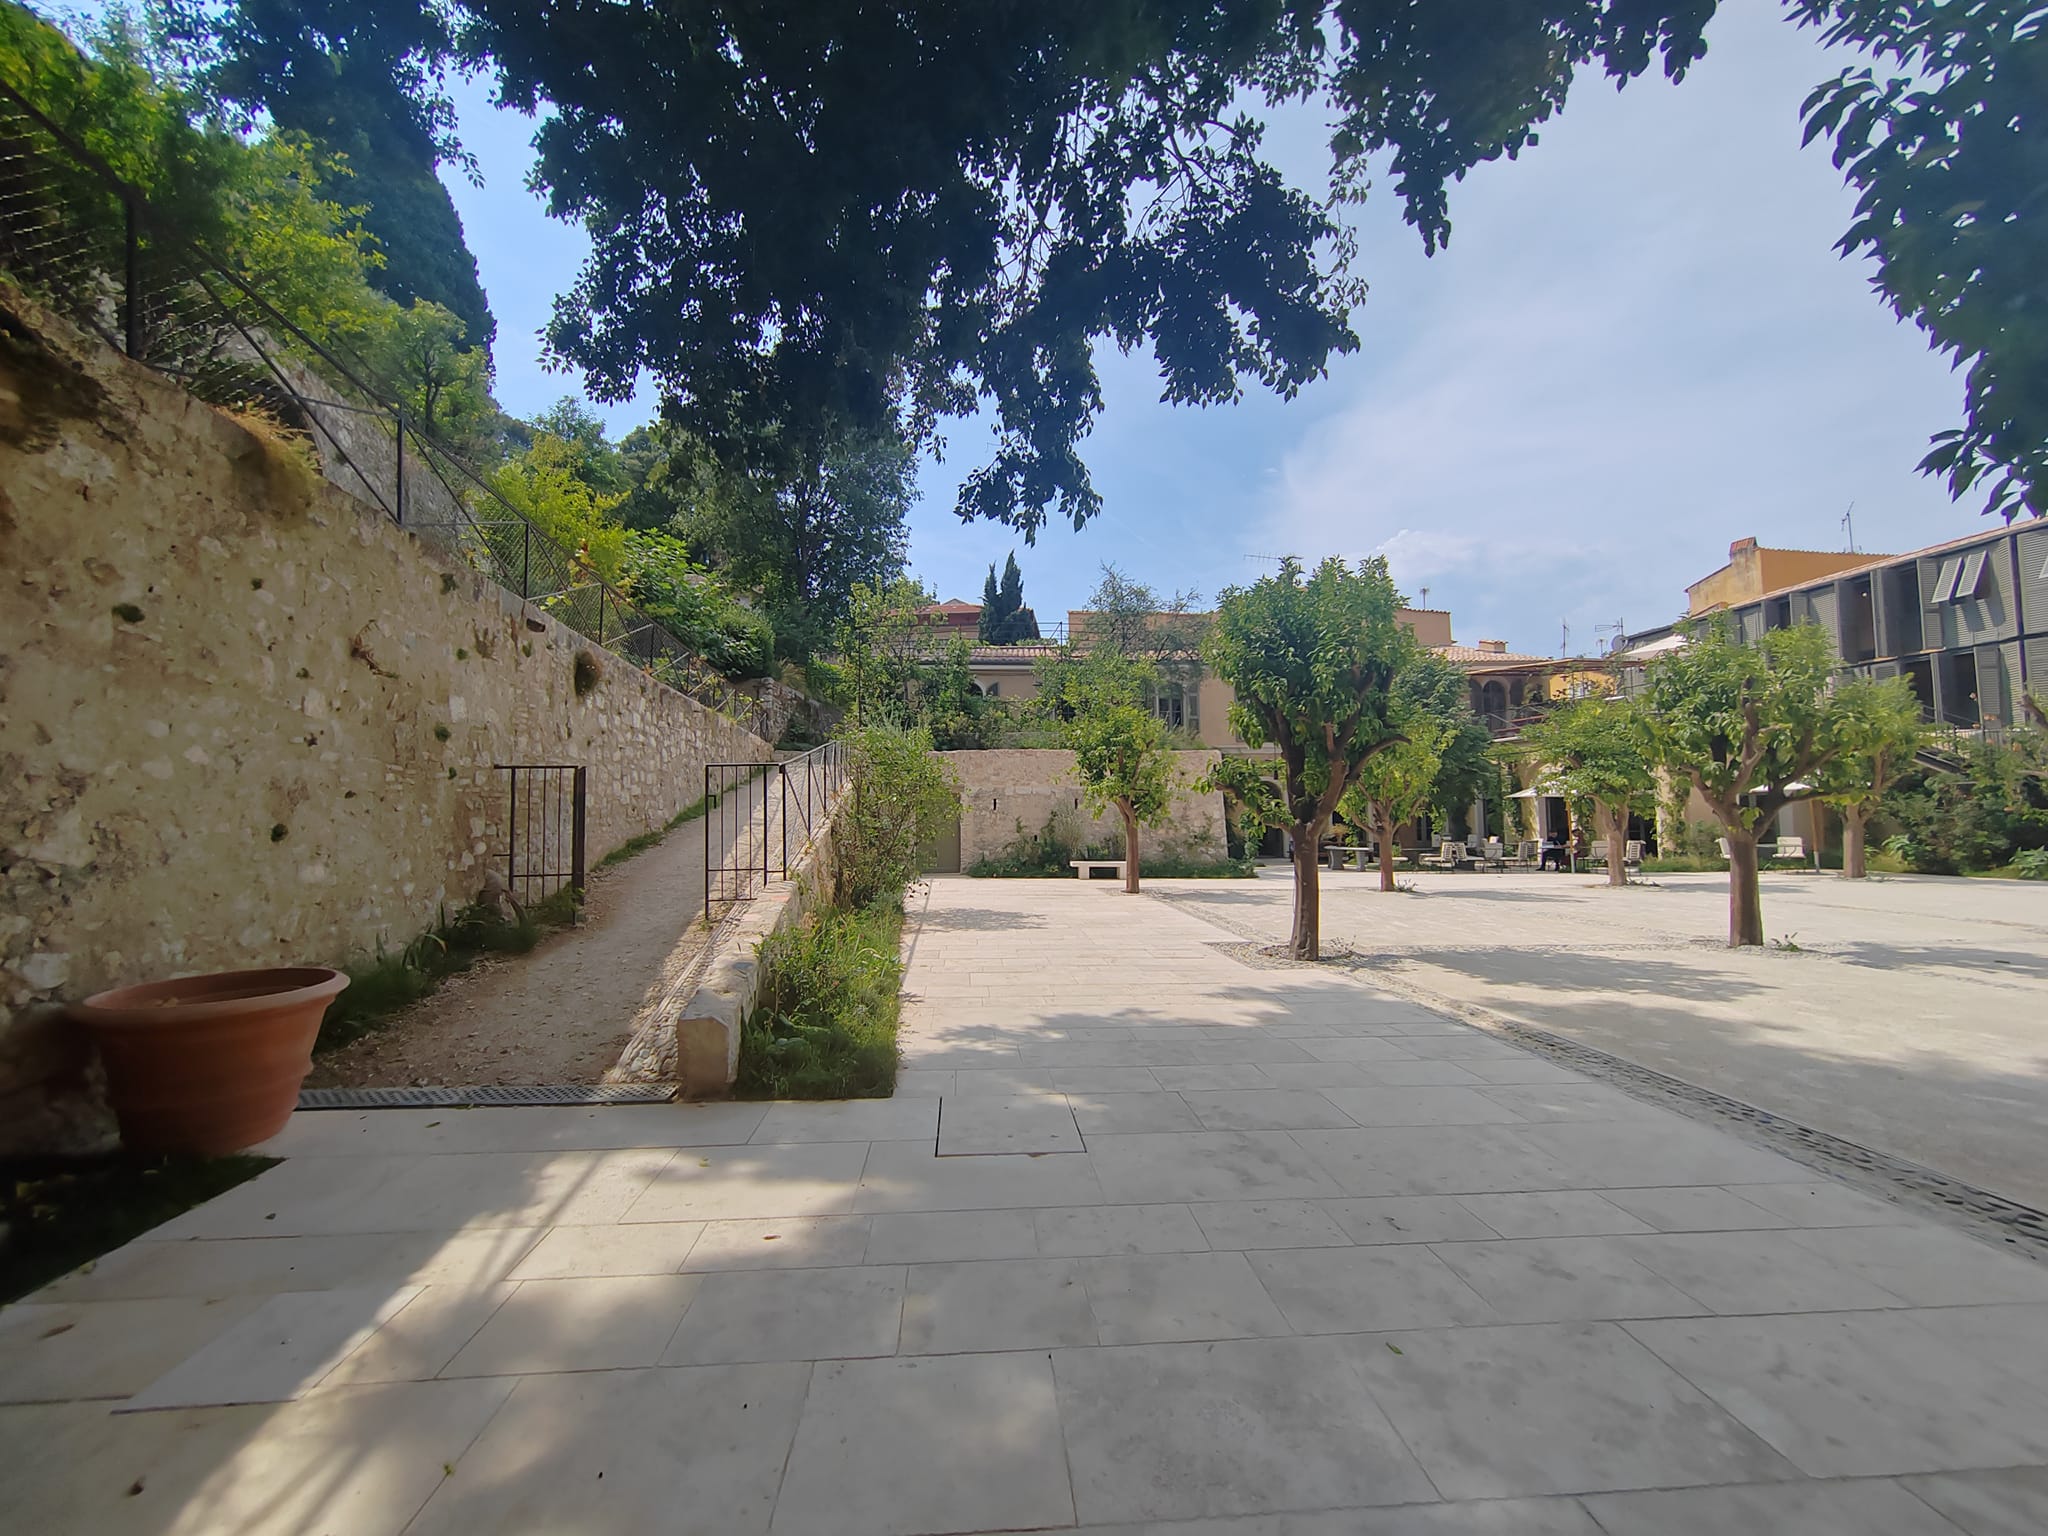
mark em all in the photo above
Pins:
pixel 1912 1017
pixel 1150 1241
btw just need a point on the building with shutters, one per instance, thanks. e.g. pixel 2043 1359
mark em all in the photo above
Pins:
pixel 1965 623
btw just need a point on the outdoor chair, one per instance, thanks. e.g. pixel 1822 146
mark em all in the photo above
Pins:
pixel 1494 855
pixel 1449 855
pixel 1790 848
pixel 1526 855
pixel 1597 853
pixel 1632 853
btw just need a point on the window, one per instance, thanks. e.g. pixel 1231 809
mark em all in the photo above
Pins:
pixel 1971 579
pixel 992 689
pixel 1778 613
pixel 1945 580
pixel 1169 703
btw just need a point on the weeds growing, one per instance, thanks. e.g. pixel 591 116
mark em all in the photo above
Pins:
pixel 826 1024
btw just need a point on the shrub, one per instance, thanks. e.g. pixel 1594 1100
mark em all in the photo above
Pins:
pixel 689 601
pixel 830 1005
pixel 901 798
pixel 2031 864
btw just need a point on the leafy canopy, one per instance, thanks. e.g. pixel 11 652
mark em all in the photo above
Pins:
pixel 813 214
pixel 1746 723
pixel 1595 752
pixel 1005 620
pixel 1400 783
pixel 1312 662
pixel 1948 157
pixel 1121 754
pixel 1876 729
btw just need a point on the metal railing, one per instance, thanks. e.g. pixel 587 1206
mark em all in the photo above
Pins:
pixel 546 825
pixel 77 237
pixel 752 835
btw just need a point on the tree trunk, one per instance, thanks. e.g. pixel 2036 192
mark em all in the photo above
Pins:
pixel 1745 901
pixel 1614 827
pixel 1306 940
pixel 1853 821
pixel 1130 848
pixel 1386 830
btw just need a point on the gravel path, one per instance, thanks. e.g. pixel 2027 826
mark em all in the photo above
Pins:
pixel 562 1012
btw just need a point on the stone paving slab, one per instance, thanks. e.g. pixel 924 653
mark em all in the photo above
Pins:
pixel 1169 1246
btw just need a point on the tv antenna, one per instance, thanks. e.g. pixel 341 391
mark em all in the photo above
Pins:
pixel 1617 629
pixel 1849 526
pixel 1425 597
pixel 1564 638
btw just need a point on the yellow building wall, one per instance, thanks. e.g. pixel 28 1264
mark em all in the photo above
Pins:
pixel 1752 571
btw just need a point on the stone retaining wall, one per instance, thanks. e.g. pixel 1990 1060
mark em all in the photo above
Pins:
pixel 246 720
pixel 1006 795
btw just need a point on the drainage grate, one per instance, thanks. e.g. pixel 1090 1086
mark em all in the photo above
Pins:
pixel 466 1098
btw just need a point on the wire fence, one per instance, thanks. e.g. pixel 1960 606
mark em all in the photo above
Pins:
pixel 78 238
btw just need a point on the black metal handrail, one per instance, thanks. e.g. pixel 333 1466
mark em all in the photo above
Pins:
pixel 746 845
pixel 156 294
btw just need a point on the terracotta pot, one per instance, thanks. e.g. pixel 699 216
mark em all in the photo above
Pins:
pixel 209 1064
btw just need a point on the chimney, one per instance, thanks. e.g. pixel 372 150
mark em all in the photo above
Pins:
pixel 1494 647
pixel 1742 547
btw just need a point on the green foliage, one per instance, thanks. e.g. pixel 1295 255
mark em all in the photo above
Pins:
pixel 1876 729
pixel 283 207
pixel 830 1006
pixel 1004 618
pixel 363 80
pixel 801 531
pixel 900 799
pixel 1121 755
pixel 1980 818
pixel 962 204
pixel 694 605
pixel 1429 684
pixel 545 485
pixel 1398 784
pixel 1312 663
pixel 895 666
pixel 1595 752
pixel 2031 864
pixel 1947 156
pixel 56 1214
pixel 1743 722
pixel 442 384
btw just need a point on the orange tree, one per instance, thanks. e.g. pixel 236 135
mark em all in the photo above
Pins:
pixel 1749 726
pixel 1312 662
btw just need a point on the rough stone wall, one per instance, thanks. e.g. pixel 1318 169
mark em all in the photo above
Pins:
pixel 244 719
pixel 1005 794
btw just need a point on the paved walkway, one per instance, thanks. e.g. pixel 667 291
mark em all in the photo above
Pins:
pixel 1149 1237
pixel 1909 1018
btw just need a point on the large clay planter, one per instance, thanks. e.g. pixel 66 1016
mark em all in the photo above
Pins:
pixel 209 1064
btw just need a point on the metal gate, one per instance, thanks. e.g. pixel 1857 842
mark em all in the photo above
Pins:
pixel 545 822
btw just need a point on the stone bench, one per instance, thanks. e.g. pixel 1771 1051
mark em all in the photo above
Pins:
pixel 1087 867
pixel 1341 854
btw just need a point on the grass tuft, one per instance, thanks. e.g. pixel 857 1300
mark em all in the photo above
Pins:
pixel 830 1007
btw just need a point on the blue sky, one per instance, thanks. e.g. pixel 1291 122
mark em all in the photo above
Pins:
pixel 1639 346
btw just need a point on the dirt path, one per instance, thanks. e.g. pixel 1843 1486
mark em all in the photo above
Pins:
pixel 562 1012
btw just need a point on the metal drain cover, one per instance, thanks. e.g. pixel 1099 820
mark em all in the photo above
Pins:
pixel 465 1098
